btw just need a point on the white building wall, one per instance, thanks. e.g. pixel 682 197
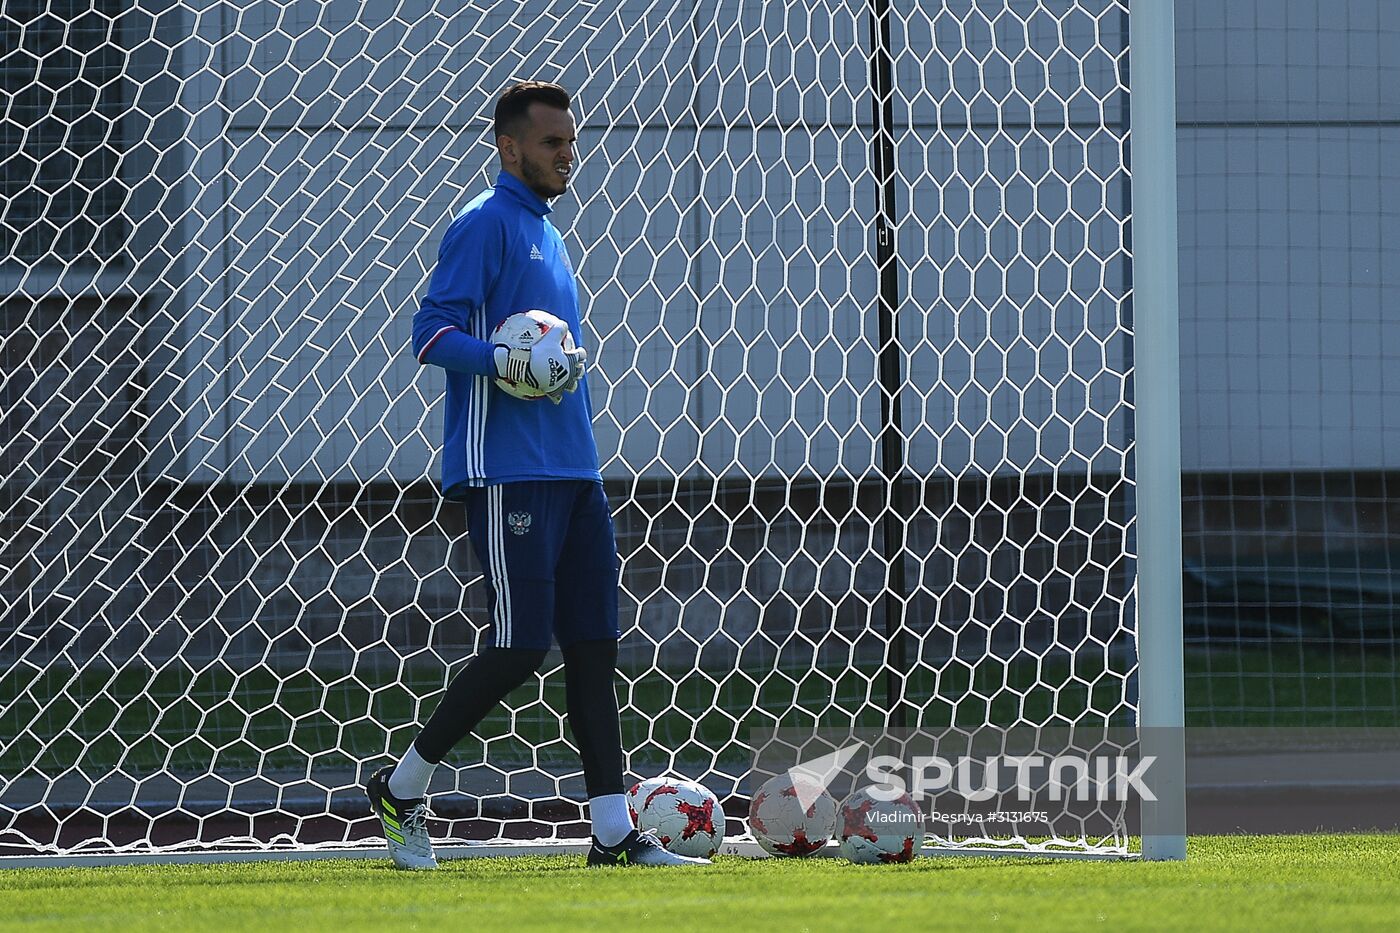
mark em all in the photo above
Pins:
pixel 721 229
pixel 1290 234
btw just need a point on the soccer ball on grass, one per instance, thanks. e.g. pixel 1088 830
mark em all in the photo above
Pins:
pixel 783 826
pixel 684 815
pixel 874 831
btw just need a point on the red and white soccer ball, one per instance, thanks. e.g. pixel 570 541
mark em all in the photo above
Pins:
pixel 684 815
pixel 875 831
pixel 521 332
pixel 783 826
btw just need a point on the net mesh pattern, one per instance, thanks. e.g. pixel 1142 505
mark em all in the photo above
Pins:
pixel 229 587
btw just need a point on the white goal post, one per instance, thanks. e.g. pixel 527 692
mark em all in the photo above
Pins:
pixel 880 307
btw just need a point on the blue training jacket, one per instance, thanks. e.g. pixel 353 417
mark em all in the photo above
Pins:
pixel 500 256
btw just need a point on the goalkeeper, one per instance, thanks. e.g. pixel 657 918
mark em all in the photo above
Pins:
pixel 528 475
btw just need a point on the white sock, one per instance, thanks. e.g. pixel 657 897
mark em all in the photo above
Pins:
pixel 611 821
pixel 410 779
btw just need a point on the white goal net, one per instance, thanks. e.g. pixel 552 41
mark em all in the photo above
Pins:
pixel 228 586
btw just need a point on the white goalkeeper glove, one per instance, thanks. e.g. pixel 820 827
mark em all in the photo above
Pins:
pixel 579 357
pixel 513 365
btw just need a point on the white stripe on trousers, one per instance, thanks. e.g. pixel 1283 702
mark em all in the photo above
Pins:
pixel 496 544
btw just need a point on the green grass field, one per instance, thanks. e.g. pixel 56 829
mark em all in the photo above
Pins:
pixel 1227 883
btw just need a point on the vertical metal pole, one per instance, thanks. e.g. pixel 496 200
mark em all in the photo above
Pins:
pixel 891 376
pixel 1161 710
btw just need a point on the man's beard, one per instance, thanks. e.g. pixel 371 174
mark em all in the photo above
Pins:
pixel 545 182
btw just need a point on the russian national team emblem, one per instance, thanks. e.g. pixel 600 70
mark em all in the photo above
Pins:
pixel 519 522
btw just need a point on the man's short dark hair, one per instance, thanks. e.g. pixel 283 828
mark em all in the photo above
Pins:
pixel 514 106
